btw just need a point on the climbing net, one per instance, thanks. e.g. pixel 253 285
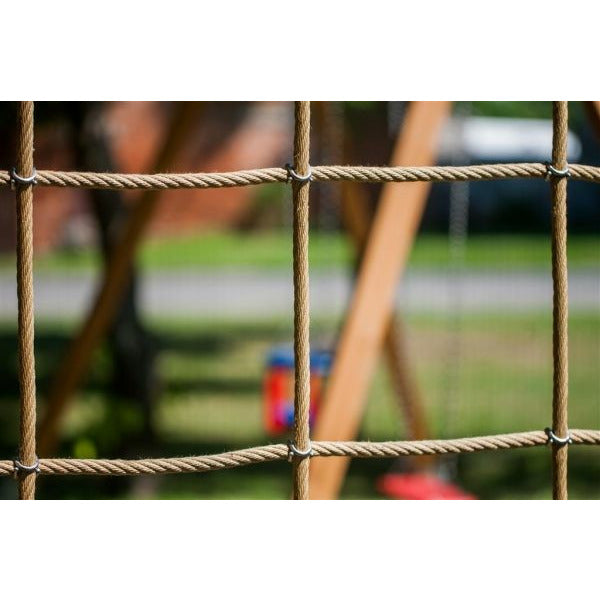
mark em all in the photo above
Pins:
pixel 300 450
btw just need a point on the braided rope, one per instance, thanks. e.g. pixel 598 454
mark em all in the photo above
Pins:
pixel 560 301
pixel 301 306
pixel 262 454
pixel 24 199
pixel 167 181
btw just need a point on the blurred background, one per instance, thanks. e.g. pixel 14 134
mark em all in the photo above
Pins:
pixel 197 359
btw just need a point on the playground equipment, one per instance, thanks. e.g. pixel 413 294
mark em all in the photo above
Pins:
pixel 385 254
pixel 364 333
pixel 434 481
pixel 425 482
pixel 279 388
pixel 385 257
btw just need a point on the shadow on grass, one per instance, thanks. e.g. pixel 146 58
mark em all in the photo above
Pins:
pixel 52 341
pixel 213 385
pixel 504 474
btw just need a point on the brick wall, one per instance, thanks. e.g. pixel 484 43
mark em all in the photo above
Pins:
pixel 228 136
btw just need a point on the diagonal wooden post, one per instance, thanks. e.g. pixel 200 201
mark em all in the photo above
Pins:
pixel 76 361
pixel 386 255
pixel 357 222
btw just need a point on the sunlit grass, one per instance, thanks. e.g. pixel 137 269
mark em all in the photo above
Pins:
pixel 273 249
pixel 211 401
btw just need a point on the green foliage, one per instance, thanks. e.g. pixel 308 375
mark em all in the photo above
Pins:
pixel 517 109
pixel 528 110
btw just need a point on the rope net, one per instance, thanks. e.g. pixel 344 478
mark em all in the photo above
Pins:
pixel 299 452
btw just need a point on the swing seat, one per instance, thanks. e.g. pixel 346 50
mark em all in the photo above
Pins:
pixel 420 486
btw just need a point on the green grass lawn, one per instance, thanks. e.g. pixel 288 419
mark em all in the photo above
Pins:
pixel 211 402
pixel 272 250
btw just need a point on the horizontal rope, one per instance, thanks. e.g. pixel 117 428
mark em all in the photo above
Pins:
pixel 240 458
pixel 166 181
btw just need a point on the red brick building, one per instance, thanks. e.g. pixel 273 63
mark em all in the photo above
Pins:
pixel 225 137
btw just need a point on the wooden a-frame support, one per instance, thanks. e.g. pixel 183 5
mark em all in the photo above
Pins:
pixel 370 321
pixel 392 234
pixel 357 222
pixel 77 359
pixel 75 362
pixel 344 403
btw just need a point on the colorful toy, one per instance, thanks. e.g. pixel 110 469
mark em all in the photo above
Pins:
pixel 279 387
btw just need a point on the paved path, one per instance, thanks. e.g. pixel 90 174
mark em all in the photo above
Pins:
pixel 265 293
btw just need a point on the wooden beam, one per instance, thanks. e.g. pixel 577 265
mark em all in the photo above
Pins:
pixel 406 386
pixel 357 221
pixel 394 230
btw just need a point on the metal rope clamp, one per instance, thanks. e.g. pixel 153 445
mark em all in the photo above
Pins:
pixel 21 469
pixel 552 171
pixel 293 451
pixel 16 179
pixel 554 439
pixel 292 175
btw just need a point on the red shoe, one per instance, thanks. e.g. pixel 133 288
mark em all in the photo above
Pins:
pixel 419 486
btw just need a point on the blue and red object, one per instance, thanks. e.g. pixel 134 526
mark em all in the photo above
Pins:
pixel 279 388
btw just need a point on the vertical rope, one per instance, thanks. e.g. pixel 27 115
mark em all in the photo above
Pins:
pixel 560 300
pixel 24 193
pixel 301 306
